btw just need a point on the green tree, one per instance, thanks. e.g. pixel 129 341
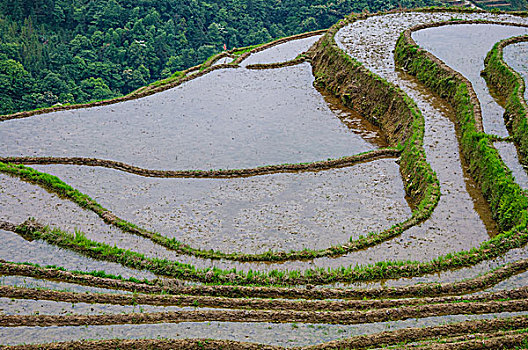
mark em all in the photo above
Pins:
pixel 95 89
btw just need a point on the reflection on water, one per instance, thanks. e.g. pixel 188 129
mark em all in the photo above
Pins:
pixel 283 52
pixel 233 118
pixel 463 47
pixel 278 212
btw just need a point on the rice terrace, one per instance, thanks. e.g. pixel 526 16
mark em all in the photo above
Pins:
pixel 357 187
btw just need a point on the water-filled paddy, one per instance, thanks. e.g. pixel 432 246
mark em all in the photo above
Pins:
pixel 517 281
pixel 36 283
pixel 45 307
pixel 453 276
pixel 463 47
pixel 223 60
pixel 255 214
pixel 16 249
pixel 24 200
pixel 508 153
pixel 231 118
pixel 462 212
pixel 282 52
pixel 120 192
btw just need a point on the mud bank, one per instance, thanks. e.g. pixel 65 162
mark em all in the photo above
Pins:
pixel 202 302
pixel 265 333
pixel 212 174
pixel 164 286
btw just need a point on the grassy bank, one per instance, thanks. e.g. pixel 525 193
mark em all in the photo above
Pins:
pixel 510 86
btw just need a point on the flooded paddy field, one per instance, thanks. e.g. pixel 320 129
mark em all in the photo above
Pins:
pixel 244 118
pixel 282 52
pixel 508 153
pixel 450 276
pixel 462 212
pixel 465 51
pixel 252 214
pixel 227 119
pixel 24 200
pixel 45 307
pixel 520 280
pixel 17 249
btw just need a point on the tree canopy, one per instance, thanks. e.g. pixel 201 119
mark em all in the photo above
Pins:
pixel 71 51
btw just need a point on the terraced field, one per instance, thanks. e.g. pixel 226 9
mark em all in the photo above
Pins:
pixel 361 187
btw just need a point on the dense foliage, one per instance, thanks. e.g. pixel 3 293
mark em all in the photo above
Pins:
pixel 67 51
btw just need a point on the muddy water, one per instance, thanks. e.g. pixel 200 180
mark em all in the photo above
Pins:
pixel 283 52
pixel 231 118
pixel 285 334
pixel 463 47
pixel 273 212
pixel 516 56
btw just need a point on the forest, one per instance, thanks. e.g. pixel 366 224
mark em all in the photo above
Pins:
pixel 72 51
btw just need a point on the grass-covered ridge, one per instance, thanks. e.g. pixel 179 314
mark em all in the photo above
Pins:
pixel 505 197
pixel 103 280
pixel 510 86
pixel 54 184
pixel 78 242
